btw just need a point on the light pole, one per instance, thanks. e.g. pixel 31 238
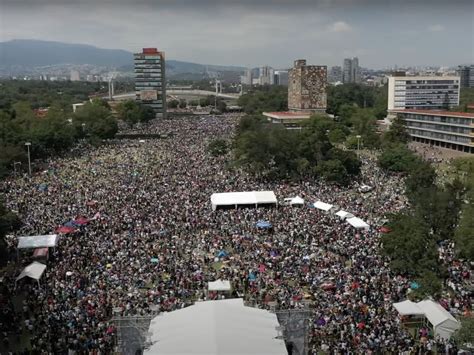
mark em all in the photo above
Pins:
pixel 358 145
pixel 29 158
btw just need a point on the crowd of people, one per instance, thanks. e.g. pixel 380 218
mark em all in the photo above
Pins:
pixel 152 243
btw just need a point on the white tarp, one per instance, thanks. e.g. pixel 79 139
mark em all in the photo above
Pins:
pixel 38 241
pixel 444 324
pixel 242 198
pixel 357 223
pixel 407 308
pixel 343 214
pixel 34 270
pixel 216 327
pixel 219 285
pixel 322 206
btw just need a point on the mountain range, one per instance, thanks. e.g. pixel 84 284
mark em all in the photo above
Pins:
pixel 28 54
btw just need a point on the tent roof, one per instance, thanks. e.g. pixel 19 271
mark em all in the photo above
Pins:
pixel 357 223
pixel 219 285
pixel 297 201
pixel 344 214
pixel 243 198
pixel 323 206
pixel 38 241
pixel 216 327
pixel 408 307
pixel 34 270
pixel 435 313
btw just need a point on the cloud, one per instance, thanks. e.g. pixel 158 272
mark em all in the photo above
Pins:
pixel 340 26
pixel 436 28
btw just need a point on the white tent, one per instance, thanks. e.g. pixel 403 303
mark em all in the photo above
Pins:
pixel 242 198
pixel 38 241
pixel 34 270
pixel 444 324
pixel 295 200
pixel 408 308
pixel 216 327
pixel 357 223
pixel 219 285
pixel 343 214
pixel 322 206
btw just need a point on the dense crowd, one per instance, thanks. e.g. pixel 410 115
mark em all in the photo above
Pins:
pixel 152 243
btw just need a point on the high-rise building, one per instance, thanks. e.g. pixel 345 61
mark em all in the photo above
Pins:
pixel 335 74
pixel 351 70
pixel 423 92
pixel 150 83
pixel 307 87
pixel 266 75
pixel 75 75
pixel 246 79
pixel 466 74
pixel 281 77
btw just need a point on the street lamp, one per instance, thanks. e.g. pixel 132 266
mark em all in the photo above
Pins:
pixel 29 158
pixel 358 145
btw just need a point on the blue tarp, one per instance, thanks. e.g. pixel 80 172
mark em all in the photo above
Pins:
pixel 414 285
pixel 264 224
pixel 252 276
pixel 154 260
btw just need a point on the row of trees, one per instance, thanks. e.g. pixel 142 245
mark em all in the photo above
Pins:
pixel 272 151
pixel 52 134
pixel 431 220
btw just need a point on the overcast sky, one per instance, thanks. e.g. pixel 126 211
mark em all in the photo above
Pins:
pixel 381 33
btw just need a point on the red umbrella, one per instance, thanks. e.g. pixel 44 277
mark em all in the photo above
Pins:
pixel 361 325
pixel 328 286
pixel 65 230
pixel 384 229
pixel 81 221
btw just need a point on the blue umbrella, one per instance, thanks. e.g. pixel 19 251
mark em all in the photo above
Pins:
pixel 43 187
pixel 154 260
pixel 414 285
pixel 264 224
pixel 222 254
pixel 162 232
pixel 310 205
pixel 252 276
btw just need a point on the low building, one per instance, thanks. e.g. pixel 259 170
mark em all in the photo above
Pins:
pixel 454 130
pixel 291 120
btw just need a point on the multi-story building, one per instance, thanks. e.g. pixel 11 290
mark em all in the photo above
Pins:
pixel 446 129
pixel 335 74
pixel 75 75
pixel 150 83
pixel 246 79
pixel 281 77
pixel 351 70
pixel 423 92
pixel 466 75
pixel 307 87
pixel 266 76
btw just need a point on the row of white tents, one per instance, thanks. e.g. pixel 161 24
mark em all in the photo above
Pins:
pixel 343 215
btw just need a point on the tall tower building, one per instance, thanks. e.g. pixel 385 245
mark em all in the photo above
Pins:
pixel 307 87
pixel 351 71
pixel 150 80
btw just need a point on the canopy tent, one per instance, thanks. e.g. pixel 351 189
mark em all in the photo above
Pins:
pixel 34 271
pixel 298 201
pixel 80 221
pixel 323 206
pixel 357 223
pixel 219 285
pixel 242 198
pixel 444 324
pixel 263 224
pixel 216 327
pixel 38 241
pixel 408 308
pixel 65 230
pixel 343 214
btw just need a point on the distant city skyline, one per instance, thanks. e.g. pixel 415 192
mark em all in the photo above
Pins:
pixel 271 32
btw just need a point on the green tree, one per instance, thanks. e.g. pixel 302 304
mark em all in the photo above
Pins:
pixel 9 221
pixel 218 147
pixel 465 335
pixel 398 158
pixel 333 171
pixel 397 133
pixel 97 120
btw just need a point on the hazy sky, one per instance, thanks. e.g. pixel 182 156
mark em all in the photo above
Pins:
pixel 381 33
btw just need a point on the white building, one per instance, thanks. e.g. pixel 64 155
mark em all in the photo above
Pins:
pixel 75 75
pixel 423 92
pixel 246 79
pixel 266 76
pixel 351 70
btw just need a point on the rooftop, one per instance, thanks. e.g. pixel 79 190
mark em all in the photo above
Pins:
pixel 288 115
pixel 437 112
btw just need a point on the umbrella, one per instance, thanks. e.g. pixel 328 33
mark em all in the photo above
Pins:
pixel 414 285
pixel 154 260
pixel 321 321
pixel 81 221
pixel 162 232
pixel 384 229
pixel 264 224
pixel 43 187
pixel 222 254
pixel 65 230
pixel 310 205
pixel 261 268
pixel 252 277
